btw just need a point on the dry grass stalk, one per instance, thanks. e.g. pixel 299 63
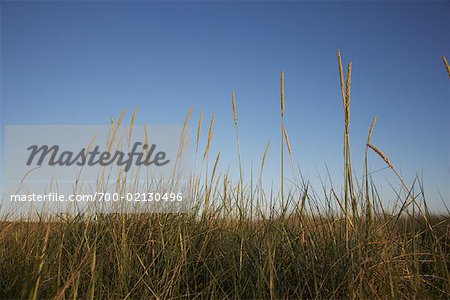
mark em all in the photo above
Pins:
pixel 446 65
pixel 133 120
pixel 146 138
pixel 233 101
pixel 382 155
pixel 345 89
pixel 238 145
pixel 208 191
pixel 348 177
pixel 347 97
pixel 114 134
pixel 183 131
pixel 181 144
pixel 210 136
pixel 199 129
pixel 291 155
pixel 341 77
pixel 288 143
pixel 282 140
pixel 263 161
pixel 282 93
pixel 372 126
pixel 369 209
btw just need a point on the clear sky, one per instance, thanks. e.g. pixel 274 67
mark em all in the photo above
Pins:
pixel 83 62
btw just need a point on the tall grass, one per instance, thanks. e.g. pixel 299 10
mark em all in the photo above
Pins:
pixel 282 102
pixel 240 240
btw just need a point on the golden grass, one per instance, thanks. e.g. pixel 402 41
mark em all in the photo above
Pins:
pixel 382 155
pixel 240 240
pixel 282 92
pixel 210 136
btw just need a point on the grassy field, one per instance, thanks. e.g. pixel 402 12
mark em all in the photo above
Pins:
pixel 241 241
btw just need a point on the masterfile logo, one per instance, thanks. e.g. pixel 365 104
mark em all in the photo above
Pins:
pixel 53 156
pixel 139 163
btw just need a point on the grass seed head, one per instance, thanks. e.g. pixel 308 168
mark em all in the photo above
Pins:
pixel 382 155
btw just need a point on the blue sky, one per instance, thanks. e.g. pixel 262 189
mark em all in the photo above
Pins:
pixel 83 62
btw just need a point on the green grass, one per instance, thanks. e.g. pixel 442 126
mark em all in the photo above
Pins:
pixel 180 256
pixel 240 241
